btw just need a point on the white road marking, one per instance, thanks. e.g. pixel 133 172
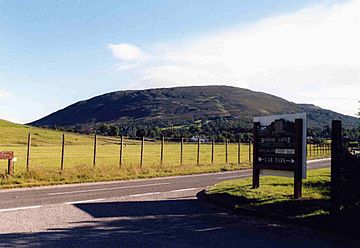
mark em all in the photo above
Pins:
pixel 19 208
pixel 85 201
pixel 237 176
pixel 182 190
pixel 104 189
pixel 209 229
pixel 145 194
pixel 318 160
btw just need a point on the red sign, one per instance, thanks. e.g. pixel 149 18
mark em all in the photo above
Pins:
pixel 6 155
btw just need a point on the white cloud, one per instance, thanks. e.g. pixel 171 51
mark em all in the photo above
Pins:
pixel 4 94
pixel 124 51
pixel 306 56
pixel 129 55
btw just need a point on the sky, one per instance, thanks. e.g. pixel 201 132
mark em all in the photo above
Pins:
pixel 55 53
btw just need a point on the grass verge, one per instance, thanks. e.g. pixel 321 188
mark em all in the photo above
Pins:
pixel 83 173
pixel 275 195
pixel 274 199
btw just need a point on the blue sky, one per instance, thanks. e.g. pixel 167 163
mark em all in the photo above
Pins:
pixel 54 53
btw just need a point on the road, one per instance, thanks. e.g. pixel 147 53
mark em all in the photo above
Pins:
pixel 161 212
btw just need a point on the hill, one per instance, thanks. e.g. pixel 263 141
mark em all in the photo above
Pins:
pixel 178 106
pixel 16 134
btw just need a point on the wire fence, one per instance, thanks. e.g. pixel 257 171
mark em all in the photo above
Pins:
pixel 122 152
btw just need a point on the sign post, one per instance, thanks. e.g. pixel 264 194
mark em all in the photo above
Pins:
pixel 9 156
pixel 280 148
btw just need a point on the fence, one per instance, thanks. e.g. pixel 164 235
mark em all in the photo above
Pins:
pixel 345 176
pixel 121 152
pixel 62 153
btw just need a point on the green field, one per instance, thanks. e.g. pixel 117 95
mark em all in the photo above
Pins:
pixel 45 157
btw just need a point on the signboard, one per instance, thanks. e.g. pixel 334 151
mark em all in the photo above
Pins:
pixel 280 146
pixel 6 155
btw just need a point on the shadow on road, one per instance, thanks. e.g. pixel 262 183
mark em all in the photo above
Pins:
pixel 167 223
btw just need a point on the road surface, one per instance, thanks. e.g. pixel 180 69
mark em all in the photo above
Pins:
pixel 162 212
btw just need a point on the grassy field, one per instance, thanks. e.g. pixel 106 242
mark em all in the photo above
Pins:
pixel 45 157
pixel 275 195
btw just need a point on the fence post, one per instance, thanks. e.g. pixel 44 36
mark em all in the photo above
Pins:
pixel 121 151
pixel 28 152
pixel 181 151
pixel 162 150
pixel 317 149
pixel 142 152
pixel 62 152
pixel 95 146
pixel 226 151
pixel 322 149
pixel 249 151
pixel 239 144
pixel 198 152
pixel 212 151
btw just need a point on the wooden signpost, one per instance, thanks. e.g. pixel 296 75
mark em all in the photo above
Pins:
pixel 280 148
pixel 8 155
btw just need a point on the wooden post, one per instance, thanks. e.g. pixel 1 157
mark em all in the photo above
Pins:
pixel 62 152
pixel 142 152
pixel 181 151
pixel 256 171
pixel 226 151
pixel 162 150
pixel 336 154
pixel 28 152
pixel 121 151
pixel 10 167
pixel 317 149
pixel 239 144
pixel 198 152
pixel 212 151
pixel 95 144
pixel 249 150
pixel 299 158
pixel 310 150
pixel 322 149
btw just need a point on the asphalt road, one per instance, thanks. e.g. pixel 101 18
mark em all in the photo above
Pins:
pixel 162 212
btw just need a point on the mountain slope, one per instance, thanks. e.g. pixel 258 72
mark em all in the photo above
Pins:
pixel 171 106
pixel 16 134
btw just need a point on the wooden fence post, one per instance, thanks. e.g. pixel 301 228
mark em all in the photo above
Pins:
pixel 317 149
pixel 181 151
pixel 162 150
pixel 62 152
pixel 249 151
pixel 226 151
pixel 239 144
pixel 95 147
pixel 121 151
pixel 142 152
pixel 28 152
pixel 198 152
pixel 212 151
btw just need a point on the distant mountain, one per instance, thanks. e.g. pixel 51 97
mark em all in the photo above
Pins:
pixel 179 105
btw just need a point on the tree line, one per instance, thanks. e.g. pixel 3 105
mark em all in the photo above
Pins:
pixel 217 128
